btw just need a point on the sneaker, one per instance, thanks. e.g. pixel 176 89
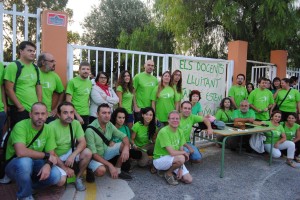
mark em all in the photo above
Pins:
pixel 90 177
pixel 125 176
pixel 27 198
pixel 171 180
pixel 79 185
pixel 5 180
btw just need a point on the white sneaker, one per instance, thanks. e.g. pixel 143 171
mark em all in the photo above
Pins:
pixel 5 180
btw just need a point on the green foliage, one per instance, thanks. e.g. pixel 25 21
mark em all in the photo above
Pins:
pixel 73 37
pixel 204 27
pixel 105 22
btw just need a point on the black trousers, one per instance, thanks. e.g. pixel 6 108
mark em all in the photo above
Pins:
pixel 16 116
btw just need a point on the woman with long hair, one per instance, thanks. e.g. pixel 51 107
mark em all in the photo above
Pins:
pixel 176 80
pixel 125 94
pixel 144 134
pixel 164 98
pixel 292 132
pixel 118 119
pixel 279 139
pixel 276 85
pixel 101 93
pixel 249 87
pixel 287 100
pixel 225 112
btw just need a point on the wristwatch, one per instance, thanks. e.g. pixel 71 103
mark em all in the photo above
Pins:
pixel 46 156
pixel 49 163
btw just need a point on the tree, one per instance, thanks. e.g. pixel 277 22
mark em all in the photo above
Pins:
pixel 204 27
pixel 105 22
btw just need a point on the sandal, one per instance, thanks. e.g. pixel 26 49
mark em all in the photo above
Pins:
pixel 297 159
pixel 171 180
pixel 290 163
pixel 153 169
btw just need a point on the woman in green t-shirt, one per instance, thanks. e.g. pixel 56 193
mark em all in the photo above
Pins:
pixel 225 112
pixel 125 94
pixel 279 139
pixel 176 80
pixel 144 134
pixel 118 118
pixel 292 132
pixel 194 98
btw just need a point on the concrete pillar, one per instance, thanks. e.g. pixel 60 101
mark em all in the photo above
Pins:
pixel 279 58
pixel 54 39
pixel 237 51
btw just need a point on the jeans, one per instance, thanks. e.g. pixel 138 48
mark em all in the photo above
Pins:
pixel 24 171
pixel 194 156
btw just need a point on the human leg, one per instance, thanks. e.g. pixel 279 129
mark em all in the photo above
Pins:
pixel 196 155
pixel 290 146
pixel 275 152
pixel 84 159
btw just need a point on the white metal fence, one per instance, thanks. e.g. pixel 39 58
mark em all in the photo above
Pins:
pixel 11 34
pixel 293 72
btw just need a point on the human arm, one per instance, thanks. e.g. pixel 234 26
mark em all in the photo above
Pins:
pixel 119 94
pixel 282 139
pixel 298 108
pixel 68 170
pixel 113 98
pixel 135 106
pixel 78 117
pixel 191 150
pixel 133 135
pixel 233 102
pixel 4 98
pixel 39 93
pixel 297 136
pixel 125 150
pixel 79 148
pixel 9 88
pixel 208 125
pixel 173 152
pixel 153 103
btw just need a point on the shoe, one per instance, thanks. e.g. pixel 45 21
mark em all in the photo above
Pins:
pixel 171 180
pixel 27 198
pixel 290 163
pixel 5 180
pixel 79 185
pixel 161 173
pixel 90 177
pixel 125 176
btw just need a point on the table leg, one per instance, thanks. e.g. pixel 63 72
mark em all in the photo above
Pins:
pixel 271 150
pixel 222 156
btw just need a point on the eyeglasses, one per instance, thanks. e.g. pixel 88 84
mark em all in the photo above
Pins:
pixel 102 77
pixel 52 61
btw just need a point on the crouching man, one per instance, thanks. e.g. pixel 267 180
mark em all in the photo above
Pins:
pixel 169 154
pixel 71 144
pixel 31 146
pixel 98 136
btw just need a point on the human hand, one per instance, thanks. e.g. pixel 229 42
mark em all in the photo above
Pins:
pixel 113 172
pixel 111 143
pixel 70 161
pixel 53 159
pixel 44 172
pixel 70 172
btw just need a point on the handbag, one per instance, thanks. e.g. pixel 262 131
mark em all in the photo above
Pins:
pixel 277 106
pixel 75 166
pixel 105 140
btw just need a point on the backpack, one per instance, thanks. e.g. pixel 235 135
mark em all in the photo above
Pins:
pixel 19 71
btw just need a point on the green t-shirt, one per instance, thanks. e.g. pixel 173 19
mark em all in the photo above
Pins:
pixel 50 82
pixel 180 95
pixel 276 133
pixel 290 102
pixel 143 84
pixel 141 131
pixel 26 83
pixel 239 93
pixel 224 116
pixel 127 99
pixel 261 99
pixel 124 129
pixel 196 108
pixel 239 114
pixel 80 90
pixel 167 138
pixel 186 125
pixel 63 136
pixel 23 132
pixel 165 103
pixel 94 141
pixel 290 132
pixel 1 83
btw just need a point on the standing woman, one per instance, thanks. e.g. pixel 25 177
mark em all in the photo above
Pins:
pixel 250 88
pixel 287 100
pixel 276 85
pixel 164 98
pixel 125 94
pixel 279 139
pixel 194 98
pixel 144 134
pixel 292 132
pixel 225 112
pixel 176 80
pixel 101 93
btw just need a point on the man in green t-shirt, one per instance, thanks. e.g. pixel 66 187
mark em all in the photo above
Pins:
pixel 261 101
pixel 102 152
pixel 238 92
pixel 187 120
pixel 70 154
pixel 25 90
pixel 33 167
pixel 143 84
pixel 78 93
pixel 3 106
pixel 51 83
pixel 169 154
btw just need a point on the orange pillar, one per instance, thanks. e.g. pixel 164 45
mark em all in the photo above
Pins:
pixel 279 58
pixel 237 51
pixel 54 39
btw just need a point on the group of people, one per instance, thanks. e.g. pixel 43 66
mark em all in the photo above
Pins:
pixel 93 128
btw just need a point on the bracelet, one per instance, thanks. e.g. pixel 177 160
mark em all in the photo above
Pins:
pixel 49 163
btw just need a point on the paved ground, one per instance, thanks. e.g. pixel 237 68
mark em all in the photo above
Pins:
pixel 247 176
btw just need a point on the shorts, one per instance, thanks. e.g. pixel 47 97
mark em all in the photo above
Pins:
pixel 62 172
pixel 165 162
pixel 65 156
pixel 93 165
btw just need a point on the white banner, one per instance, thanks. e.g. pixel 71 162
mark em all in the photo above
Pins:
pixel 207 76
